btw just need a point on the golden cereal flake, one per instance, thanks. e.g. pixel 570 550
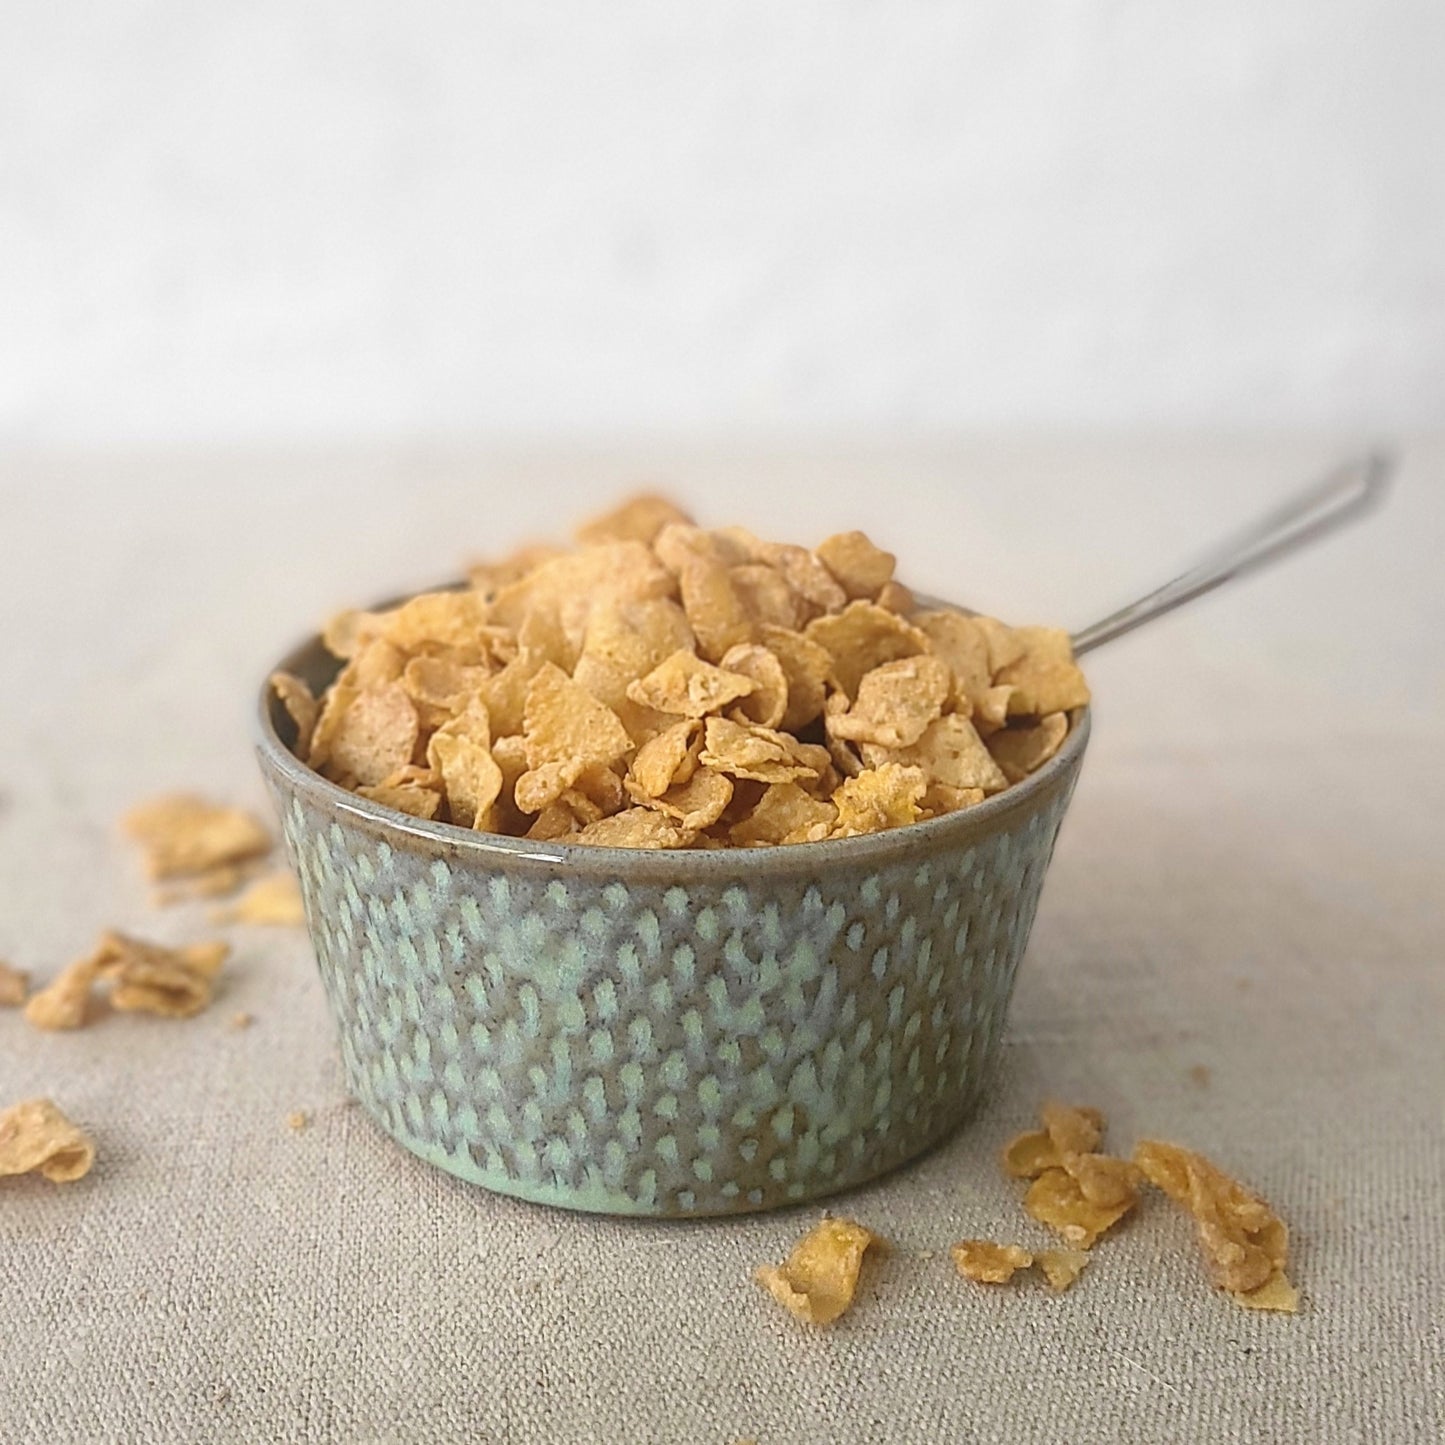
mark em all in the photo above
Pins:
pixel 564 723
pixel 745 750
pixel 638 519
pixel 950 752
pixel 460 752
pixel 14 985
pixel 818 1280
pixel 298 1121
pixel 959 640
pixel 861 569
pixel 183 834
pixel 765 596
pixel 635 828
pixel 376 735
pixel 411 798
pixel 685 685
pixel 989 1263
pixel 442 686
pixel 767 703
pixel 1073 1130
pixel 274 899
pixel 1245 1243
pixel 661 759
pixel 896 702
pixel 785 813
pixel 1061 1267
pixel 695 804
pixel 37 1138
pixel 806 666
pixel 1020 751
pixel 64 1003
pixel 811 582
pixel 437 619
pixel 878 799
pixel 1045 679
pixel 1005 646
pixel 861 637
pixel 897 598
pixel 301 707
pixel 1028 1155
pixel 150 978
pixel 1055 1199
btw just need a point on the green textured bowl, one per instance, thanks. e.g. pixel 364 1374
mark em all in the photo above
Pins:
pixel 664 1033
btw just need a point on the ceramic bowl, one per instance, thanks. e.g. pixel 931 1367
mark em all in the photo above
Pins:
pixel 664 1033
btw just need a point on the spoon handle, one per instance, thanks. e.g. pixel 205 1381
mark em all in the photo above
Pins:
pixel 1348 492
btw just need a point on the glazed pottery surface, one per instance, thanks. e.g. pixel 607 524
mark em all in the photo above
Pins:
pixel 665 1033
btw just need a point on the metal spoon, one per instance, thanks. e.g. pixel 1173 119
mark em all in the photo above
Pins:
pixel 1347 493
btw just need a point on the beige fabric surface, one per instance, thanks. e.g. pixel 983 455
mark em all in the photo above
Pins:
pixel 1250 881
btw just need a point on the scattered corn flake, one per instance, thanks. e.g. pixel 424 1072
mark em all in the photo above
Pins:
pixel 635 828
pixel 1245 1243
pixel 1020 751
pixel 298 1120
pixel 638 519
pixel 896 702
pixel 274 899
pixel 150 978
pixel 685 685
pixel 861 637
pixel 183 834
pixel 765 596
pixel 1046 678
pixel 64 1003
pixel 1072 1130
pixel 785 813
pixel 241 1020
pixel 878 799
pixel 988 1263
pixel 1061 1267
pixel 1028 1155
pixel 301 706
pixel 37 1138
pixel 818 1280
pixel 219 882
pixel 861 569
pixel 14 985
pixel 658 762
pixel 1276 1293
pixel 745 750
pixel 1055 1199
pixel 767 703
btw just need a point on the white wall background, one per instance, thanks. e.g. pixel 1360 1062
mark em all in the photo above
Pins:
pixel 277 219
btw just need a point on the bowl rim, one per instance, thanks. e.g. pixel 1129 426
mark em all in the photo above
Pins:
pixel 952 829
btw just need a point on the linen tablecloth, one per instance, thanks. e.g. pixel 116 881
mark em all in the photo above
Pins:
pixel 1239 947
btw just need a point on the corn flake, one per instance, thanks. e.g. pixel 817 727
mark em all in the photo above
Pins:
pixel 785 813
pixel 14 985
pixel 949 752
pixel 818 1280
pixel 877 799
pixel 861 637
pixel 301 706
pixel 638 519
pixel 1005 646
pixel 685 685
pixel 896 702
pixel 37 1138
pixel 1245 1243
pixel 376 735
pixel 274 899
pixel 767 703
pixel 183 834
pixel 765 596
pixel 745 750
pixel 1020 751
pixel 861 569
pixel 1045 679
pixel 1055 1199
pixel 806 666
pixel 635 828
pixel 64 1003
pixel 1061 1267
pixel 988 1263
pixel 148 978
pixel 695 804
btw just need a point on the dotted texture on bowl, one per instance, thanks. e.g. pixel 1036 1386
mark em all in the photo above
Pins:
pixel 636 1048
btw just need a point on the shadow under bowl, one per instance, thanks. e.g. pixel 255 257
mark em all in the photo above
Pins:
pixel 664 1034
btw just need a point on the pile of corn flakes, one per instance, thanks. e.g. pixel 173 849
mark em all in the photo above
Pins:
pixel 663 686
